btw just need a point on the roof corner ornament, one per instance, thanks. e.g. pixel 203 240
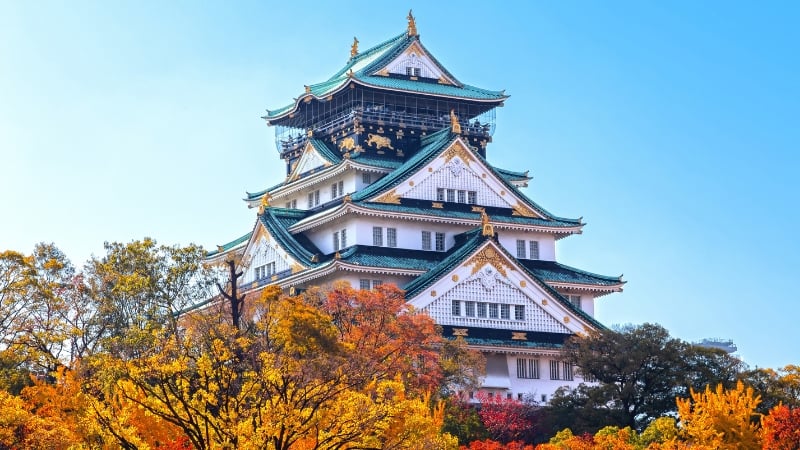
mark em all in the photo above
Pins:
pixel 354 48
pixel 412 25
pixel 315 258
pixel 292 291
pixel 348 199
pixel 337 256
pixel 350 73
pixel 221 249
pixel 456 127
pixel 308 88
pixel 488 229
pixel 264 204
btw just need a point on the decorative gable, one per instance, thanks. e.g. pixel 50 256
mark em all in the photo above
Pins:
pixel 490 290
pixel 458 175
pixel 416 62
pixel 264 258
pixel 310 160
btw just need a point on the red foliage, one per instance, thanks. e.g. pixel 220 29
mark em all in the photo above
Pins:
pixel 489 444
pixel 179 443
pixel 388 338
pixel 781 429
pixel 505 419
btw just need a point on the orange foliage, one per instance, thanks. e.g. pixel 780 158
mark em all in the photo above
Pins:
pixel 781 429
pixel 489 444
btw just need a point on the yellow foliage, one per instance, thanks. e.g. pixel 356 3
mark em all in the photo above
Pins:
pixel 720 419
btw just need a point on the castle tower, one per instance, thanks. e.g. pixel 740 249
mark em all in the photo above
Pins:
pixel 388 180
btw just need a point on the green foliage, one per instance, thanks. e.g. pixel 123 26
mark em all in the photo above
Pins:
pixel 640 369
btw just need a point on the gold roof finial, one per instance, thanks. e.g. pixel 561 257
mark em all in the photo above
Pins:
pixel 454 122
pixel 354 48
pixel 264 204
pixel 412 24
pixel 488 229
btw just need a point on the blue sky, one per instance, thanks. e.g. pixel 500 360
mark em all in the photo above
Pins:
pixel 671 127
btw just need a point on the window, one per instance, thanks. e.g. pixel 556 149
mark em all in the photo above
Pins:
pixel 344 237
pixel 574 299
pixel 267 270
pixel 365 283
pixel 527 368
pixel 377 236
pixel 426 240
pixel 481 309
pixel 391 237
pixel 567 375
pixel 339 240
pixel 589 378
pixel 521 249
pixel 292 204
pixel 534 249
pixel 544 398
pixel 313 199
pixel 554 370
pixel 462 196
pixel 505 311
pixel 472 197
pixel 451 195
pixel 519 312
pixel 337 190
pixel 336 241
pixel 366 178
pixel 493 311
pixel 439 194
pixel 469 309
pixel 413 71
pixel 456 307
pixel 439 242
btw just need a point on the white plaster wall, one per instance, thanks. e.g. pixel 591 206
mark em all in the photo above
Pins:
pixel 547 243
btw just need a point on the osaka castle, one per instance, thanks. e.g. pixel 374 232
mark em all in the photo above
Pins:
pixel 389 180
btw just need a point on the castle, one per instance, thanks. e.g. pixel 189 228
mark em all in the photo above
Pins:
pixel 388 180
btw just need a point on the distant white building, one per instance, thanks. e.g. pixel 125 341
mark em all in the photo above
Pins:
pixel 388 181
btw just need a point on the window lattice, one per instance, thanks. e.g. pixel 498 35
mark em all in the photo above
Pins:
pixel 435 188
pixel 535 318
pixel 267 257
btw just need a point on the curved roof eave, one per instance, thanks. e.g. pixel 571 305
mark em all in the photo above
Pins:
pixel 345 82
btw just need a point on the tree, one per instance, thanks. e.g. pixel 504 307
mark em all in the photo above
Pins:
pixel 640 370
pixel 505 419
pixel 141 286
pixel 781 428
pixel 721 419
pixel 776 387
pixel 294 377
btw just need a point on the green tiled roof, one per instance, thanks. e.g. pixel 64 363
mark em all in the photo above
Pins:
pixel 369 256
pixel 555 272
pixel 466 244
pixel 432 146
pixel 463 211
pixel 361 68
pixel 277 221
pixel 227 246
pixel 502 337
pixel 512 175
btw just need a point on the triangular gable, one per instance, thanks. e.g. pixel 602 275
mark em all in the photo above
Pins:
pixel 490 276
pixel 415 56
pixel 264 250
pixel 459 168
pixel 310 159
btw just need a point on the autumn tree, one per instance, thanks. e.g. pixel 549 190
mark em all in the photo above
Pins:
pixel 781 428
pixel 640 370
pixel 293 378
pixel 139 287
pixel 721 418
pixel 775 386
pixel 506 419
